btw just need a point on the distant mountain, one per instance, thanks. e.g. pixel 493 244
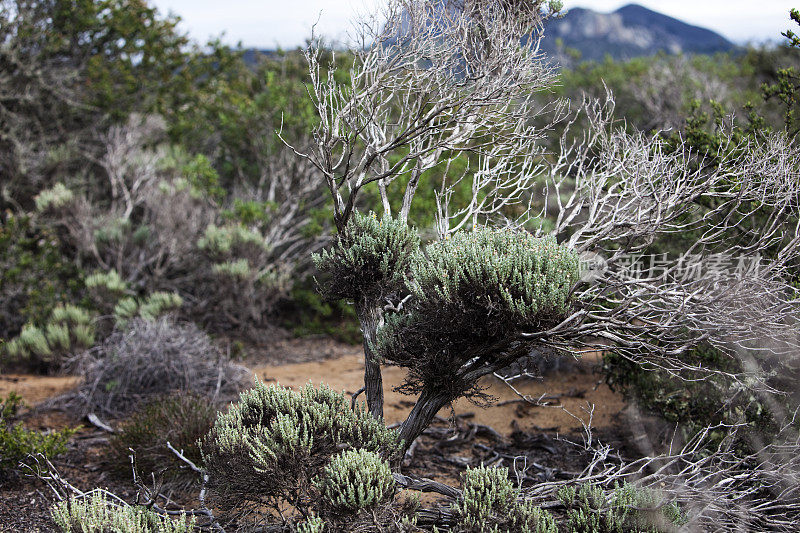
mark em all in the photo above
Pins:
pixel 631 31
pixel 628 32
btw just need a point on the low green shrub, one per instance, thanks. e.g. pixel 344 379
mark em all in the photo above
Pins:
pixel 180 419
pixel 491 504
pixel 356 480
pixel 96 514
pixel 16 442
pixel 314 524
pixel 627 509
pixel 271 445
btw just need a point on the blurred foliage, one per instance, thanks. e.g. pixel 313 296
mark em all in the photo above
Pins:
pixel 627 509
pixel 696 401
pixel 36 274
pixel 308 313
pixel 786 87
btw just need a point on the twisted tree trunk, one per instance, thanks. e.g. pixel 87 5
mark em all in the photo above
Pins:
pixel 429 403
pixel 369 316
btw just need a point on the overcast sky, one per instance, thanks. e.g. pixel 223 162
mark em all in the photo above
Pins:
pixel 287 23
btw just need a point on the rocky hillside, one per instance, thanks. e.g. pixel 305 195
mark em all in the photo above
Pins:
pixel 630 31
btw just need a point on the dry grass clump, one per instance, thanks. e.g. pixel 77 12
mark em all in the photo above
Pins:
pixel 152 358
pixel 182 420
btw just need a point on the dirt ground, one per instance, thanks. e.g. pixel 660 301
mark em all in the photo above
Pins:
pixel 543 434
pixel 566 397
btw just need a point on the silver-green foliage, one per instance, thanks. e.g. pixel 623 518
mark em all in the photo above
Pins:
pixel 314 524
pixel 57 196
pixel 490 503
pixel 244 278
pixel 96 514
pixel 151 307
pixel 223 240
pixel 355 480
pixel 68 329
pixel 526 276
pixel 110 282
pixel 369 259
pixel 473 293
pixel 627 509
pixel 274 441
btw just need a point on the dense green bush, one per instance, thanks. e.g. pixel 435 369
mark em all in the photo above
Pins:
pixel 628 509
pixel 369 259
pixel 356 480
pixel 17 443
pixel 97 514
pixel 491 504
pixel 267 449
pixel 486 285
pixel 180 419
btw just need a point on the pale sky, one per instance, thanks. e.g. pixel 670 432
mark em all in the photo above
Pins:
pixel 287 23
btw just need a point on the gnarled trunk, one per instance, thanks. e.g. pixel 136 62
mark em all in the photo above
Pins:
pixel 369 317
pixel 429 403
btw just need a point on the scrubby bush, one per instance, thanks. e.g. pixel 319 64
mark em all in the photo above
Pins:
pixel 369 259
pixel 97 514
pixel 628 509
pixel 491 503
pixel 150 358
pixel 68 330
pixel 17 443
pixel 268 448
pixel 485 284
pixel 180 419
pixel 356 480
pixel 241 283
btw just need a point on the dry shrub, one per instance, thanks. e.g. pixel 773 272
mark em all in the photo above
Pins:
pixel 151 358
pixel 180 419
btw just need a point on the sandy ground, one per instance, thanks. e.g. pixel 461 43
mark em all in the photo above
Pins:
pixel 35 389
pixel 568 393
pixel 571 397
